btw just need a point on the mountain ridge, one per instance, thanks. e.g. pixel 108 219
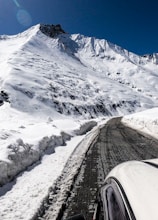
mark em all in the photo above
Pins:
pixel 68 74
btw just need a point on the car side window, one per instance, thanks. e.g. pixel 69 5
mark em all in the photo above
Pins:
pixel 115 205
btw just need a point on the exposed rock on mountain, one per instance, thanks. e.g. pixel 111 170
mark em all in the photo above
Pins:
pixel 3 97
pixel 51 30
pixel 152 57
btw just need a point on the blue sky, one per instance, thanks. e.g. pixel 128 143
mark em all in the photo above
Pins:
pixel 131 24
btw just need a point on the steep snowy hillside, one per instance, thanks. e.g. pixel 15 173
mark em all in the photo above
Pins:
pixel 74 75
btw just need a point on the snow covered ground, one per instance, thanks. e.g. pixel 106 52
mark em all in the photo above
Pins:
pixel 23 197
pixel 25 139
pixel 50 90
pixel 145 121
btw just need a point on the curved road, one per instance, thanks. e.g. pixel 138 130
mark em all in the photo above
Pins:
pixel 116 143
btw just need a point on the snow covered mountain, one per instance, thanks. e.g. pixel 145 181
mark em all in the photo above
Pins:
pixel 74 75
pixel 51 85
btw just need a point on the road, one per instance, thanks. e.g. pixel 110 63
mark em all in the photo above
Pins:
pixel 116 143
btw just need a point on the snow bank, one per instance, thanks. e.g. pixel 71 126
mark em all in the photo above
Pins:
pixel 21 155
pixel 25 140
pixel 145 121
pixel 84 128
pixel 25 197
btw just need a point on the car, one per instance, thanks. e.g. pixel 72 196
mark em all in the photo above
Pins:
pixel 130 191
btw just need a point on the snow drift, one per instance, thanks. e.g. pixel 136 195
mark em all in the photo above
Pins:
pixel 145 121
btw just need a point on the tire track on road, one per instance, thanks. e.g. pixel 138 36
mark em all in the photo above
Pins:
pixel 115 144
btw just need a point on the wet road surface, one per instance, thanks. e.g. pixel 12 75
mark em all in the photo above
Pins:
pixel 115 144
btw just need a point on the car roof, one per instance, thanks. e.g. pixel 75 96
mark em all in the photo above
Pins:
pixel 140 183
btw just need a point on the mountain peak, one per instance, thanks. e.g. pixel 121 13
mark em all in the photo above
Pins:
pixel 51 30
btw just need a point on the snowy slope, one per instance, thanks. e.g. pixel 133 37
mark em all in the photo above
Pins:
pixel 74 75
pixel 50 88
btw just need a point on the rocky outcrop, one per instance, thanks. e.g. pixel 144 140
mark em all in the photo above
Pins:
pixel 3 97
pixel 51 30
pixel 151 58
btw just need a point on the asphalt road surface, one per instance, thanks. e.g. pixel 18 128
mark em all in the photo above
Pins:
pixel 115 144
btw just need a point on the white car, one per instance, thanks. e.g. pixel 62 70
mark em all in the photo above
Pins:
pixel 130 191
